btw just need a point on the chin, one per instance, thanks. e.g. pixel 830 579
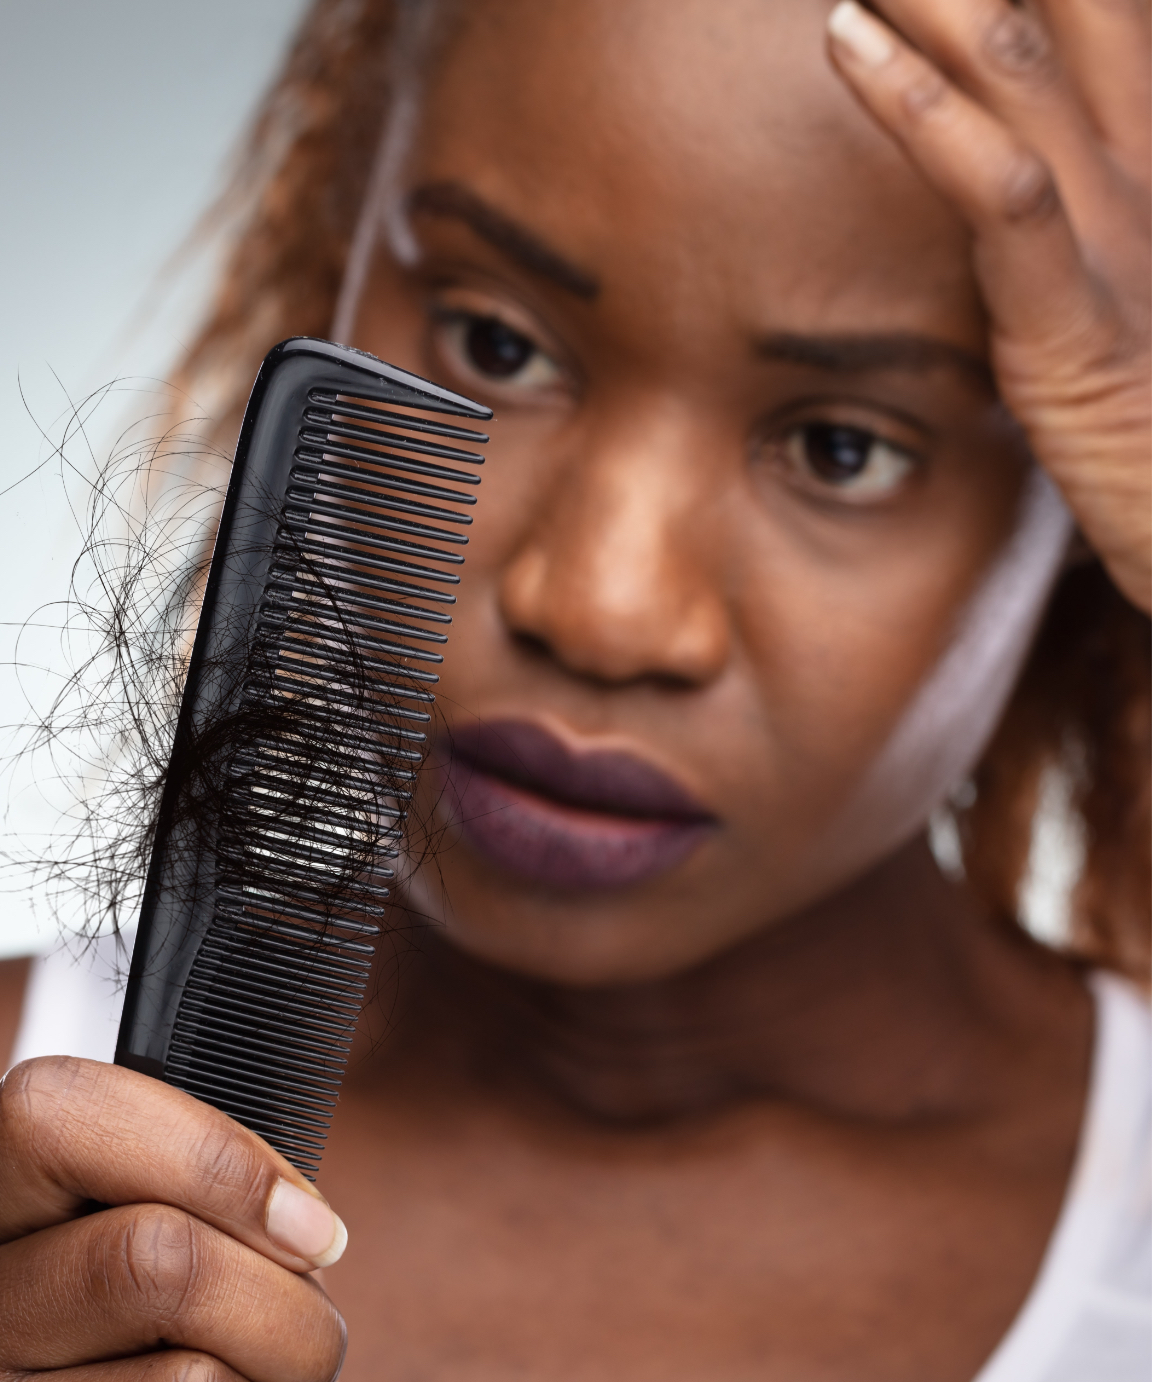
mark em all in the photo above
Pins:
pixel 578 938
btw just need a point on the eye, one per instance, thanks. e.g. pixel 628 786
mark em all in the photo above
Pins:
pixel 855 463
pixel 487 347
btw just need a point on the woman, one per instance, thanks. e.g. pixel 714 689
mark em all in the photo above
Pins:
pixel 687 1060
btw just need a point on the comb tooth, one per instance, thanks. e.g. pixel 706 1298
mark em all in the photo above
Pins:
pixel 377 496
pixel 299 933
pixel 296 521
pixel 250 992
pixel 305 583
pixel 365 515
pixel 353 410
pixel 332 1051
pixel 264 776
pixel 236 909
pixel 281 605
pixel 266 962
pixel 296 678
pixel 291 972
pixel 284 683
pixel 362 566
pixel 274 1082
pixel 286 811
pixel 323 950
pixel 288 954
pixel 322 1092
pixel 312 625
pixel 348 416
pixel 287 752
pixel 237 964
pixel 292 876
pixel 237 923
pixel 282 1079
pixel 332 428
pixel 311 471
pixel 321 643
pixel 434 403
pixel 304 587
pixel 251 1098
pixel 317 855
pixel 277 1082
pixel 315 447
pixel 312 1031
pixel 323 716
pixel 283 675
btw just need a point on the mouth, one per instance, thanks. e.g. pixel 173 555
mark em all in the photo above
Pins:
pixel 565 819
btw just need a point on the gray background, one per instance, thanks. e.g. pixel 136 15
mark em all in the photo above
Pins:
pixel 117 118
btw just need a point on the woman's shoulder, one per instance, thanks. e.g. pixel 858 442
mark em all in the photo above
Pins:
pixel 1089 1314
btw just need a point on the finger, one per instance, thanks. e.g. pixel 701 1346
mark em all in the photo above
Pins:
pixel 1070 356
pixel 191 1366
pixel 129 1280
pixel 1004 56
pixel 1104 45
pixel 1034 281
pixel 74 1131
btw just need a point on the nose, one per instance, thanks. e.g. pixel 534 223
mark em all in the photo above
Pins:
pixel 619 577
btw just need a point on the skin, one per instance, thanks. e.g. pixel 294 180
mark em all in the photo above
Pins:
pixel 768 1115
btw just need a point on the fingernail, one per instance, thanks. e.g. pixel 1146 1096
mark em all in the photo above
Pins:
pixel 864 37
pixel 304 1225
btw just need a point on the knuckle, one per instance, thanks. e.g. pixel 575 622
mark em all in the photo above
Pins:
pixel 1027 191
pixel 1015 43
pixel 924 93
pixel 150 1261
pixel 224 1155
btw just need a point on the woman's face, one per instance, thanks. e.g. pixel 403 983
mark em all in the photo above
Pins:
pixel 746 470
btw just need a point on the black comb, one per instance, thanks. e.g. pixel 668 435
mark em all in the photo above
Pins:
pixel 299 737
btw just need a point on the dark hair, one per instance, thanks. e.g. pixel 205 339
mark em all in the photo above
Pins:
pixel 1083 703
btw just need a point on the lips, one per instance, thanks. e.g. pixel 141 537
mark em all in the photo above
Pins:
pixel 529 804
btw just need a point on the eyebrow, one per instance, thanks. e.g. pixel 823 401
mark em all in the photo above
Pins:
pixel 861 353
pixel 517 242
pixel 842 354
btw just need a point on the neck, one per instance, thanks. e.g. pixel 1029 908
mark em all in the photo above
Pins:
pixel 891 1000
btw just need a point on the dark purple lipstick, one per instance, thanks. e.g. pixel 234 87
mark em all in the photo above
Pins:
pixel 594 820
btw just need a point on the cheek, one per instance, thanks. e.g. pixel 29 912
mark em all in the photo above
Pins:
pixel 837 643
pixel 842 616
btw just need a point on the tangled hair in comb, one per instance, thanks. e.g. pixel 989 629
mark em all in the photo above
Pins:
pixel 244 790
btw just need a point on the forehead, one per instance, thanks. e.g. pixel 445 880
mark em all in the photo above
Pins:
pixel 699 150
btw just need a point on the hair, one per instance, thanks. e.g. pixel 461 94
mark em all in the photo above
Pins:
pixel 1083 705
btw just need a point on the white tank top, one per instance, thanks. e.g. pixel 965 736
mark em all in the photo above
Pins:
pixel 1089 1313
